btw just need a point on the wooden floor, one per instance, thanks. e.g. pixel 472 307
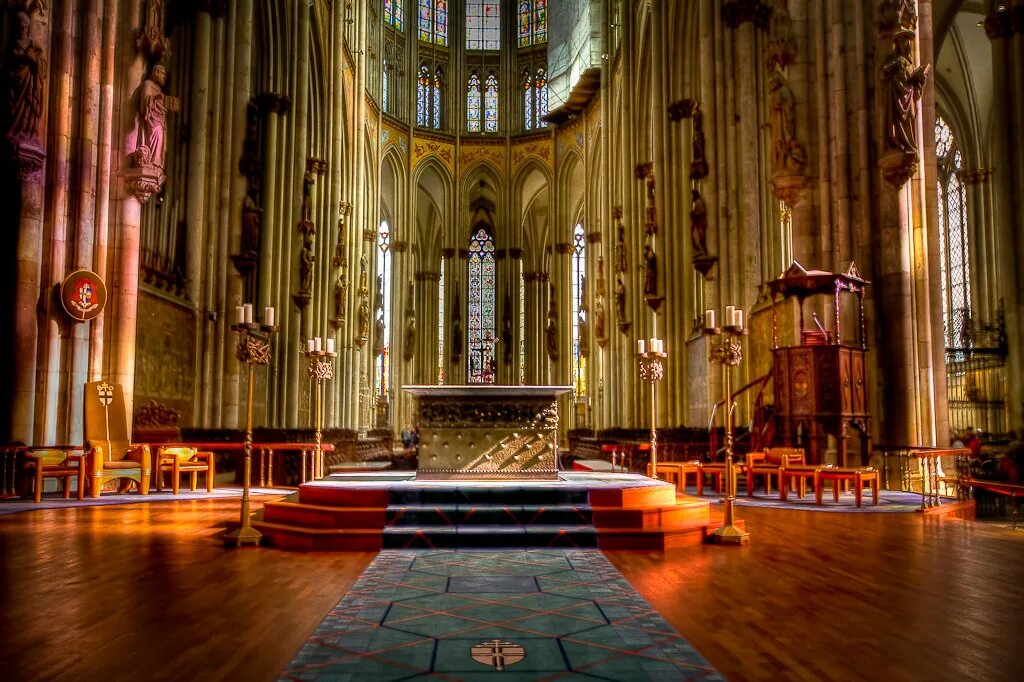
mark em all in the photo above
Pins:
pixel 147 591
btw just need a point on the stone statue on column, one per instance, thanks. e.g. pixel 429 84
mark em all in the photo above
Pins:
pixel 650 271
pixel 620 301
pixel 363 292
pixel 251 216
pixel 24 83
pixel 306 261
pixel 409 338
pixel 902 87
pixel 379 331
pixel 456 344
pixel 506 329
pixel 583 331
pixel 621 260
pixel 146 140
pixel 789 157
pixel 551 330
pixel 699 165
pixel 698 224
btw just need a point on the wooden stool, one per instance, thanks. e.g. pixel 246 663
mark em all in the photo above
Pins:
pixel 717 473
pixel 692 467
pixel 857 476
pixel 798 474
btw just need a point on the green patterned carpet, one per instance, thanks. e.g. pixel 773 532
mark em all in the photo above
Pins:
pixel 456 615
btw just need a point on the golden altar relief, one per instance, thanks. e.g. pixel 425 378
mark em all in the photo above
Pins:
pixel 487 431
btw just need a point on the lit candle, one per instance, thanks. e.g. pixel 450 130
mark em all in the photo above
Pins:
pixel 709 319
pixel 730 314
pixel 248 313
pixel 739 319
pixel 310 345
pixel 268 316
pixel 240 315
pixel 640 346
pixel 330 344
pixel 319 346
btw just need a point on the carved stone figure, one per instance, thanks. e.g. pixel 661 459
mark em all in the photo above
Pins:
pixel 340 289
pixel 551 330
pixel 620 300
pixel 699 165
pixel 24 76
pixel 621 262
pixel 379 331
pixel 251 215
pixel 306 260
pixel 894 15
pixel 650 271
pixel 506 330
pixel 409 340
pixel 584 333
pixel 599 319
pixel 698 224
pixel 904 86
pixel 456 330
pixel 364 323
pixel 146 140
pixel 789 156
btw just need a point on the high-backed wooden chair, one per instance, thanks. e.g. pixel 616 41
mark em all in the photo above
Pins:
pixel 110 453
pixel 56 462
pixel 175 460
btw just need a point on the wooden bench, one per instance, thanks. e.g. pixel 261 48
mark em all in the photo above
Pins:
pixel 838 475
pixel 717 472
pixel 676 472
pixel 798 474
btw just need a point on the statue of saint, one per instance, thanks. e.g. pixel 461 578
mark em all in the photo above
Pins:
pixel 364 322
pixel 551 330
pixel 599 321
pixel 409 340
pixel 251 214
pixel 378 333
pixel 650 271
pixel 698 224
pixel 620 249
pixel 789 156
pixel 904 86
pixel 23 76
pixel 584 333
pixel 306 260
pixel 620 300
pixel 146 140
pixel 699 165
pixel 340 288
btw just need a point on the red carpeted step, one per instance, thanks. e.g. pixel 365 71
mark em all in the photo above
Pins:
pixel 320 539
pixel 320 516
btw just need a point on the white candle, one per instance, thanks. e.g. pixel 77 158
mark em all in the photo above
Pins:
pixel 248 313
pixel 330 344
pixel 319 346
pixel 730 313
pixel 709 319
pixel 739 319
pixel 240 314
pixel 640 346
pixel 659 345
pixel 310 345
pixel 268 316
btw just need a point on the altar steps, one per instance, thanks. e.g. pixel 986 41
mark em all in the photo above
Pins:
pixel 362 516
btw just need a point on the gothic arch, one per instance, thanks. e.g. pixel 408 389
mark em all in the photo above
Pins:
pixel 532 188
pixel 571 192
pixel 432 209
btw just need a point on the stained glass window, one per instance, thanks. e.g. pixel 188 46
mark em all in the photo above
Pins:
pixel 429 95
pixel 394 13
pixel 483 24
pixel 473 104
pixel 533 22
pixel 535 98
pixel 382 311
pixel 384 85
pixel 491 103
pixel 482 276
pixel 954 250
pixel 433 21
pixel 579 311
pixel 440 324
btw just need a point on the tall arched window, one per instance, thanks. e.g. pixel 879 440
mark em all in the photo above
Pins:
pixel 481 325
pixel 473 104
pixel 535 98
pixel 483 24
pixel 429 93
pixel 394 13
pixel 491 103
pixel 533 22
pixel 384 75
pixel 382 311
pixel 954 251
pixel 433 21
pixel 579 312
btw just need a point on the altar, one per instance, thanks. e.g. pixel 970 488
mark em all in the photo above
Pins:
pixel 483 431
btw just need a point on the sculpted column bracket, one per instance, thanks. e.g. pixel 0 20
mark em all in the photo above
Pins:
pixel 340 261
pixel 1001 23
pixel 307 227
pixel 645 172
pixel 151 40
pixel 902 87
pixel 736 12
pixel 363 295
pixel 621 267
pixel 600 312
pixel 703 261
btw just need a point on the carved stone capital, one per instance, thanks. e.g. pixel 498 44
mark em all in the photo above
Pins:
pixel 427 276
pixel 593 237
pixel 684 108
pixel 399 246
pixel 532 277
pixel 644 170
pixel 464 254
pixel 789 188
pixel 515 253
pixel 898 167
pixel 1003 22
pixel 448 253
pixel 144 181
pixel 316 166
pixel 29 156
pixel 369 236
pixel 563 248
pixel 269 102
pixel 736 12
pixel 151 40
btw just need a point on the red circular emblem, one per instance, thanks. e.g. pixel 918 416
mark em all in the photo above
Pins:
pixel 83 295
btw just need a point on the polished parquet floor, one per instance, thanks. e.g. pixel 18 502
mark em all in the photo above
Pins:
pixel 147 592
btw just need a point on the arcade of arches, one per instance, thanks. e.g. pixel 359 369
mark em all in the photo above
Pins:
pixel 507 192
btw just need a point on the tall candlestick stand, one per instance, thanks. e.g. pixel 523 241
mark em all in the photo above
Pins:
pixel 651 354
pixel 321 368
pixel 728 353
pixel 253 349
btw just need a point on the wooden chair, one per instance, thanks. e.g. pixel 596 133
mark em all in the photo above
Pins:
pixel 176 461
pixel 109 452
pixel 56 462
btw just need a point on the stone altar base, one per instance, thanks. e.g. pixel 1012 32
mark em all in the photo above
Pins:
pixel 366 512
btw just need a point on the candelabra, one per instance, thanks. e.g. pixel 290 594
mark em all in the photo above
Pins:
pixel 651 354
pixel 253 349
pixel 728 353
pixel 321 368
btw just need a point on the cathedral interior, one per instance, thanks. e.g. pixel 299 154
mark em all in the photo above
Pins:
pixel 285 245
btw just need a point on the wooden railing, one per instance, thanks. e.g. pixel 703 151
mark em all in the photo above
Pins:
pixel 928 465
pixel 1011 490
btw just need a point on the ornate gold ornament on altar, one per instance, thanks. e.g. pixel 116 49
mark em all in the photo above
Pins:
pixel 83 295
